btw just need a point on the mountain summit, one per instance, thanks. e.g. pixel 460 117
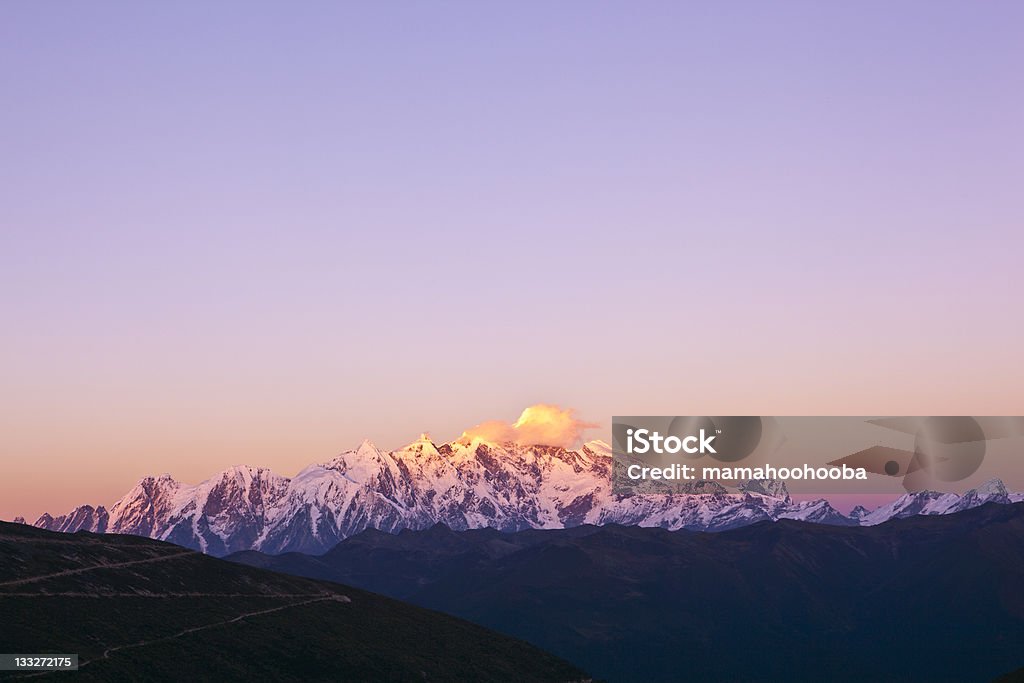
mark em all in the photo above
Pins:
pixel 468 483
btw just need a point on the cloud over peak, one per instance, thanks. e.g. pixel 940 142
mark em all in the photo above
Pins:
pixel 539 425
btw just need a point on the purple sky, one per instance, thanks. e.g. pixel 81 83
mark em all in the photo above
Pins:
pixel 257 233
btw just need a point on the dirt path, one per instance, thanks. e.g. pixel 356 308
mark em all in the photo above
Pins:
pixel 233 620
pixel 75 540
pixel 115 565
pixel 334 597
pixel 98 594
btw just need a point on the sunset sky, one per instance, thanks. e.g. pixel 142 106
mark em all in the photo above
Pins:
pixel 258 233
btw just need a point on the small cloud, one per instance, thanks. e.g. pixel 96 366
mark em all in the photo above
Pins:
pixel 538 425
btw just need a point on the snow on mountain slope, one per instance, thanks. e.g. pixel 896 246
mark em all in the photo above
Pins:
pixel 469 483
pixel 935 503
pixel 218 516
pixel 82 518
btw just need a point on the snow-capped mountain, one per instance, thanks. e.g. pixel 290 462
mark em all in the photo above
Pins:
pixel 935 503
pixel 469 483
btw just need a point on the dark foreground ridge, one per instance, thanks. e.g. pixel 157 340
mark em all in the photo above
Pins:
pixel 937 598
pixel 137 609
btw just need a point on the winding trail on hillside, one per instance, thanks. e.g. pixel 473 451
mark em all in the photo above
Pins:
pixel 76 539
pixel 194 629
pixel 100 594
pixel 333 597
pixel 82 570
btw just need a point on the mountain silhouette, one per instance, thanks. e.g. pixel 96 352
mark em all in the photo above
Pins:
pixel 925 598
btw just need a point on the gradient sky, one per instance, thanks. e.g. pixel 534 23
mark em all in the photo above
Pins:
pixel 257 233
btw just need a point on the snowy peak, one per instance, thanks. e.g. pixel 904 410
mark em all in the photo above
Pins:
pixel 467 483
pixel 992 489
pixel 936 503
pixel 241 489
pixel 82 518
pixel 773 488
pixel 818 511
pixel 359 463
pixel 910 504
pixel 143 506
pixel 421 447
pixel 858 512
pixel 598 447
pixel 367 447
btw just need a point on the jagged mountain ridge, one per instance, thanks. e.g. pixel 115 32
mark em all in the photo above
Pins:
pixel 936 503
pixel 464 484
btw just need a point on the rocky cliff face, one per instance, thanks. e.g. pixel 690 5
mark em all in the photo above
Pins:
pixel 463 484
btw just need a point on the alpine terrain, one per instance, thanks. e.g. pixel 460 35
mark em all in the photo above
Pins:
pixel 465 484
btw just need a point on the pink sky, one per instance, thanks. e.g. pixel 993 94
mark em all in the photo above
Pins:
pixel 245 235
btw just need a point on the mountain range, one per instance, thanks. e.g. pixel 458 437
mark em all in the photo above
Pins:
pixel 922 598
pixel 465 484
